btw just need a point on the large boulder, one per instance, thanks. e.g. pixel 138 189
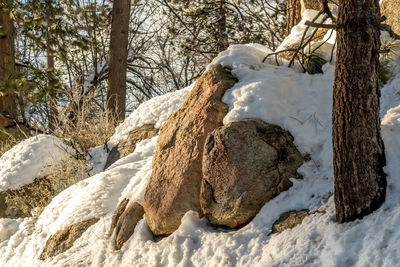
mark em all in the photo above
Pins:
pixel 124 221
pixel 64 239
pixel 174 185
pixel 127 146
pixel 391 10
pixel 245 164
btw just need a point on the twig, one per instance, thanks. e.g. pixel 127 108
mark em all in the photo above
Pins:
pixel 383 51
pixel 302 39
pixel 321 25
pixel 386 27
pixel 278 52
pixel 324 42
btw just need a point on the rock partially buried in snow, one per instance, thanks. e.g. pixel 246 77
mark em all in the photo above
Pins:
pixel 64 239
pixel 289 220
pixel 126 222
pixel 245 164
pixel 128 145
pixel 174 185
pixel 117 213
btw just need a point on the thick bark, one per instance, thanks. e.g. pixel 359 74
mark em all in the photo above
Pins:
pixel 116 95
pixel 358 150
pixel 293 14
pixel 8 105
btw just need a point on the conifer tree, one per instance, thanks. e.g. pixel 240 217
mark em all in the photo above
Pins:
pixel 358 149
pixel 116 94
pixel 8 106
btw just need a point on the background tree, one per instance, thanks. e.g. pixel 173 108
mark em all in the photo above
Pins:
pixel 63 47
pixel 116 94
pixel 293 14
pixel 8 106
pixel 358 150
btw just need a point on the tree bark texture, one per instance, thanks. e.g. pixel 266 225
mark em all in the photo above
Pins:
pixel 8 105
pixel 293 14
pixel 116 95
pixel 358 149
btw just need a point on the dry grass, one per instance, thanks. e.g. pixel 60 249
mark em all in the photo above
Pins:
pixel 31 199
pixel 89 127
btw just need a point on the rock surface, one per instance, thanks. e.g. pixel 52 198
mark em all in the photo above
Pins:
pixel 117 214
pixel 391 10
pixel 64 239
pixel 245 164
pixel 128 146
pixel 174 185
pixel 126 222
pixel 289 220
pixel 310 4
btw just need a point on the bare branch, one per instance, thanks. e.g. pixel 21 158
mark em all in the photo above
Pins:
pixel 321 25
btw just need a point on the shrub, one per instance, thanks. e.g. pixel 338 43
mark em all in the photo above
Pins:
pixel 31 199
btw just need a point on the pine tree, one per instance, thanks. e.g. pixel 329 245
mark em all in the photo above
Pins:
pixel 8 106
pixel 116 94
pixel 358 149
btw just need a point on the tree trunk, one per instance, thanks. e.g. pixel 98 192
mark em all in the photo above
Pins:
pixel 358 150
pixel 222 31
pixel 116 94
pixel 53 101
pixel 293 14
pixel 8 105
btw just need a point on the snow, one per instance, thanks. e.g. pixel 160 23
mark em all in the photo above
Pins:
pixel 298 102
pixel 29 160
pixel 8 227
pixel 155 111
pixel 322 48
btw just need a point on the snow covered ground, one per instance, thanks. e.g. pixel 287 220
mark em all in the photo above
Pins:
pixel 298 102
pixel 30 159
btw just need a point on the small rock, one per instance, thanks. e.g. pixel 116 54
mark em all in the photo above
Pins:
pixel 126 223
pixel 117 214
pixel 128 145
pixel 64 239
pixel 289 220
